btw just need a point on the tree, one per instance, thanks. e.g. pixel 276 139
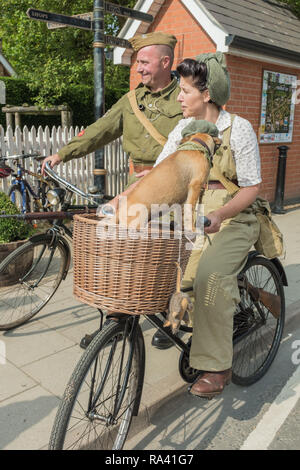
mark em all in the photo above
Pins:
pixel 294 6
pixel 51 61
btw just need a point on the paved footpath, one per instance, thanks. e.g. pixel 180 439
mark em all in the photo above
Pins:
pixel 41 355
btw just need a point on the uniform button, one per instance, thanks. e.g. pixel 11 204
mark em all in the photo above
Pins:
pixel 150 105
pixel 147 135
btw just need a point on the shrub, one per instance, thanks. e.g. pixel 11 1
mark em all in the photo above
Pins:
pixel 12 229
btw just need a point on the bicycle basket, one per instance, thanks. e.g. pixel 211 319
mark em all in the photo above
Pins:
pixel 122 271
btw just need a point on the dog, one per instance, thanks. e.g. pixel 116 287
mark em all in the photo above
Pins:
pixel 178 179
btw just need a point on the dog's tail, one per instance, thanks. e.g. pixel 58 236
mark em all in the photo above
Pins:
pixel 179 275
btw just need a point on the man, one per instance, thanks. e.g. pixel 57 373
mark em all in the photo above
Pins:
pixel 156 98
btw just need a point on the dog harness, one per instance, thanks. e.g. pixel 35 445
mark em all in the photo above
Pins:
pixel 200 146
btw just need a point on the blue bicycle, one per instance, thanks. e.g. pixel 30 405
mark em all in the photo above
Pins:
pixel 21 192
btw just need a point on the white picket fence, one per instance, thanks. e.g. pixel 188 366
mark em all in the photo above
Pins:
pixel 78 171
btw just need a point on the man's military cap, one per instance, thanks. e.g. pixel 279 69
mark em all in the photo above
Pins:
pixel 151 39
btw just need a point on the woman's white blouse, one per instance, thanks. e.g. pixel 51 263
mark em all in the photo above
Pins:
pixel 243 144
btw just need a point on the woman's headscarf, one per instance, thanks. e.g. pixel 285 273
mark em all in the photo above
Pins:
pixel 218 81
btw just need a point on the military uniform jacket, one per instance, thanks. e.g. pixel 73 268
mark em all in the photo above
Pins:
pixel 161 108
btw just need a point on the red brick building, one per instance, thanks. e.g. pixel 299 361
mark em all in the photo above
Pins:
pixel 255 36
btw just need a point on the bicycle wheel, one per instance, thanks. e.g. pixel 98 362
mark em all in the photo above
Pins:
pixel 88 416
pixel 257 332
pixel 16 197
pixel 29 276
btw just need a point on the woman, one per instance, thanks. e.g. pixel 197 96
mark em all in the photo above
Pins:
pixel 213 268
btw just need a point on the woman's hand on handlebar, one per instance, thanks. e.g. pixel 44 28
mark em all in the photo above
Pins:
pixel 52 160
pixel 215 222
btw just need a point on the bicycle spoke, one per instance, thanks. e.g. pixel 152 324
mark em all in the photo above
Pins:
pixel 34 285
pixel 99 419
pixel 257 332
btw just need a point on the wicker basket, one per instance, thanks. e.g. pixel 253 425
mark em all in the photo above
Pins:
pixel 117 273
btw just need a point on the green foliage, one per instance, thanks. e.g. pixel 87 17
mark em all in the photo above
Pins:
pixel 17 93
pixel 294 5
pixel 12 229
pixel 52 62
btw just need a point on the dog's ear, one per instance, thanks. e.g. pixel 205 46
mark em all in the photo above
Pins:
pixel 185 139
pixel 217 142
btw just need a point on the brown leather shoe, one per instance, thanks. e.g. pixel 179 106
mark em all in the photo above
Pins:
pixel 210 384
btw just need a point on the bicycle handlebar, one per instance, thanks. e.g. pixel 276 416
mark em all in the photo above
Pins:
pixel 17 157
pixel 204 220
pixel 47 215
pixel 70 186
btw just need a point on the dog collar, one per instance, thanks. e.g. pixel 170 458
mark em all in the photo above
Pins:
pixel 201 142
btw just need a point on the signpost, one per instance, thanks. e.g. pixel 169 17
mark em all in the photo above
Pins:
pixel 82 16
pixel 94 22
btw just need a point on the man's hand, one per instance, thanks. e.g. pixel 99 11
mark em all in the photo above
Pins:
pixel 52 159
pixel 142 173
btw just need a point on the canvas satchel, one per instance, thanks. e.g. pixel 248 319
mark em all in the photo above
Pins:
pixel 270 240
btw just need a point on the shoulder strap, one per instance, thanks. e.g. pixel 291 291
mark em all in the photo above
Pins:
pixel 227 132
pixel 142 118
pixel 229 185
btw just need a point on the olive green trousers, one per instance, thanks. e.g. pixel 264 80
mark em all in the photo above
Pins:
pixel 212 271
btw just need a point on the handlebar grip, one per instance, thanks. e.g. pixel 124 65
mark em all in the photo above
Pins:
pixel 205 221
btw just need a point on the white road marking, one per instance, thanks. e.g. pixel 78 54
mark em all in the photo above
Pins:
pixel 264 433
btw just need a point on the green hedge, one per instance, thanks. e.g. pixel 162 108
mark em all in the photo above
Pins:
pixel 12 229
pixel 80 98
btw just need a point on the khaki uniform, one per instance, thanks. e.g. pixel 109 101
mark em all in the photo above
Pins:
pixel 213 270
pixel 161 108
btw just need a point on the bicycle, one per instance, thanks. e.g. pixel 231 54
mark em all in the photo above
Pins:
pixel 105 388
pixel 21 192
pixel 37 267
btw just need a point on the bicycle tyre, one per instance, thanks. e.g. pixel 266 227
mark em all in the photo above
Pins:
pixel 256 340
pixel 19 197
pixel 20 297
pixel 68 424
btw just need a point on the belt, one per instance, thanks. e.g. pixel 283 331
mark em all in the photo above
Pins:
pixel 133 168
pixel 217 185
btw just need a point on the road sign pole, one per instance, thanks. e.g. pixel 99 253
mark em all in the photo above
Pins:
pixel 55 20
pixel 99 64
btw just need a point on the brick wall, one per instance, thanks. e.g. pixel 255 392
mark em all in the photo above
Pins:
pixel 246 88
pixel 246 79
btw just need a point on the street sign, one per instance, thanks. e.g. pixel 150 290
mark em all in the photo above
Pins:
pixel 55 20
pixel 113 41
pixel 109 8
pixel 49 17
pixel 127 12
pixel 82 16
